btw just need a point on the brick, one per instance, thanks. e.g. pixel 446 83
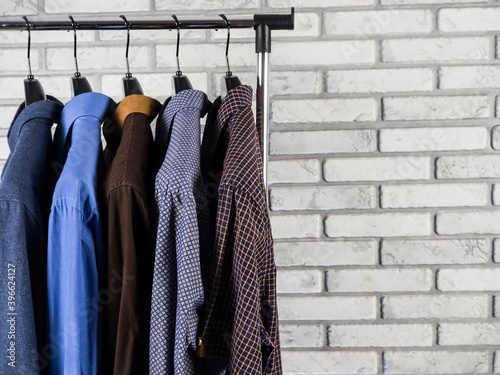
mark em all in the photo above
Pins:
pixel 327 308
pixel 325 53
pixel 21 8
pixel 150 35
pixel 468 333
pixel 378 22
pixel 319 142
pixel 323 198
pixel 325 253
pixel 379 80
pixel 296 171
pixel 45 37
pixel 496 362
pixel 300 281
pixel 7 113
pixel 495 137
pixel 434 195
pixel 280 82
pixel 95 6
pixel 435 108
pixel 409 2
pixel 436 362
pixel 379 225
pixel 205 5
pixel 324 110
pixel 318 3
pixel 496 194
pixel 468 166
pixel 469 77
pixel 305 24
pixel 379 280
pixel 12 87
pixel 435 306
pixel 156 85
pixel 496 250
pixel 377 168
pixel 467 279
pixel 458 222
pixel 296 226
pixel 435 49
pixel 328 362
pixel 433 139
pixel 14 60
pixel 496 306
pixel 206 55
pixel 379 335
pixel 97 58
pixel 405 252
pixel 60 85
pixel 301 336
pixel 4 148
pixel 468 19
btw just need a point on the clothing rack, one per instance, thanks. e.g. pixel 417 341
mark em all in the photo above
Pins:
pixel 261 23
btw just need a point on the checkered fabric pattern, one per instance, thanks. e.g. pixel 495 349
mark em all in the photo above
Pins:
pixel 241 318
pixel 183 238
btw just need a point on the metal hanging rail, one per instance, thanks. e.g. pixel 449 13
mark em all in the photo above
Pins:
pixel 261 23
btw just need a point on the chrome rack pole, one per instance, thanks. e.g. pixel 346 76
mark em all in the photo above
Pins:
pixel 118 24
pixel 263 48
pixel 263 24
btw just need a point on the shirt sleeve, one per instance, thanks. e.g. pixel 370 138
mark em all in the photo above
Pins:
pixel 130 259
pixel 18 231
pixel 72 282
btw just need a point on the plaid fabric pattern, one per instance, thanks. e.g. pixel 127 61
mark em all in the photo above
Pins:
pixel 183 238
pixel 241 318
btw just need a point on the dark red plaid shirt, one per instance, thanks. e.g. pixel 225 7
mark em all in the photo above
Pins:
pixel 241 319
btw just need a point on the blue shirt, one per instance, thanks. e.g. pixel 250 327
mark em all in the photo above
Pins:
pixel 75 237
pixel 183 237
pixel 23 237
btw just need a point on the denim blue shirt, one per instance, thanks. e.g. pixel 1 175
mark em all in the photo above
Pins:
pixel 23 237
pixel 182 239
pixel 75 237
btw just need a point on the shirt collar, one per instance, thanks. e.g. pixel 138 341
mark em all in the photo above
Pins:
pixel 49 109
pixel 89 104
pixel 130 104
pixel 187 99
pixel 240 96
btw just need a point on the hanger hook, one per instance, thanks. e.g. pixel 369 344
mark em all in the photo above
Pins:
pixel 128 44
pixel 178 25
pixel 28 26
pixel 228 25
pixel 74 24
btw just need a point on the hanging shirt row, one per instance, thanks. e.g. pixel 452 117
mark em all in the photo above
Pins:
pixel 154 256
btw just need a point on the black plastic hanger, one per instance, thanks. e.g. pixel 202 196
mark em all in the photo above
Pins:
pixel 131 84
pixel 228 81
pixel 33 90
pixel 79 83
pixel 180 81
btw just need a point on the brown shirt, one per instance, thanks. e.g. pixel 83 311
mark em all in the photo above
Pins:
pixel 131 232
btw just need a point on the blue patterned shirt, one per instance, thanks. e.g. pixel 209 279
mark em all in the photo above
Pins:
pixel 183 237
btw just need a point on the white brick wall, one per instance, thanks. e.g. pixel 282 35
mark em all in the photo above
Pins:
pixel 384 170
